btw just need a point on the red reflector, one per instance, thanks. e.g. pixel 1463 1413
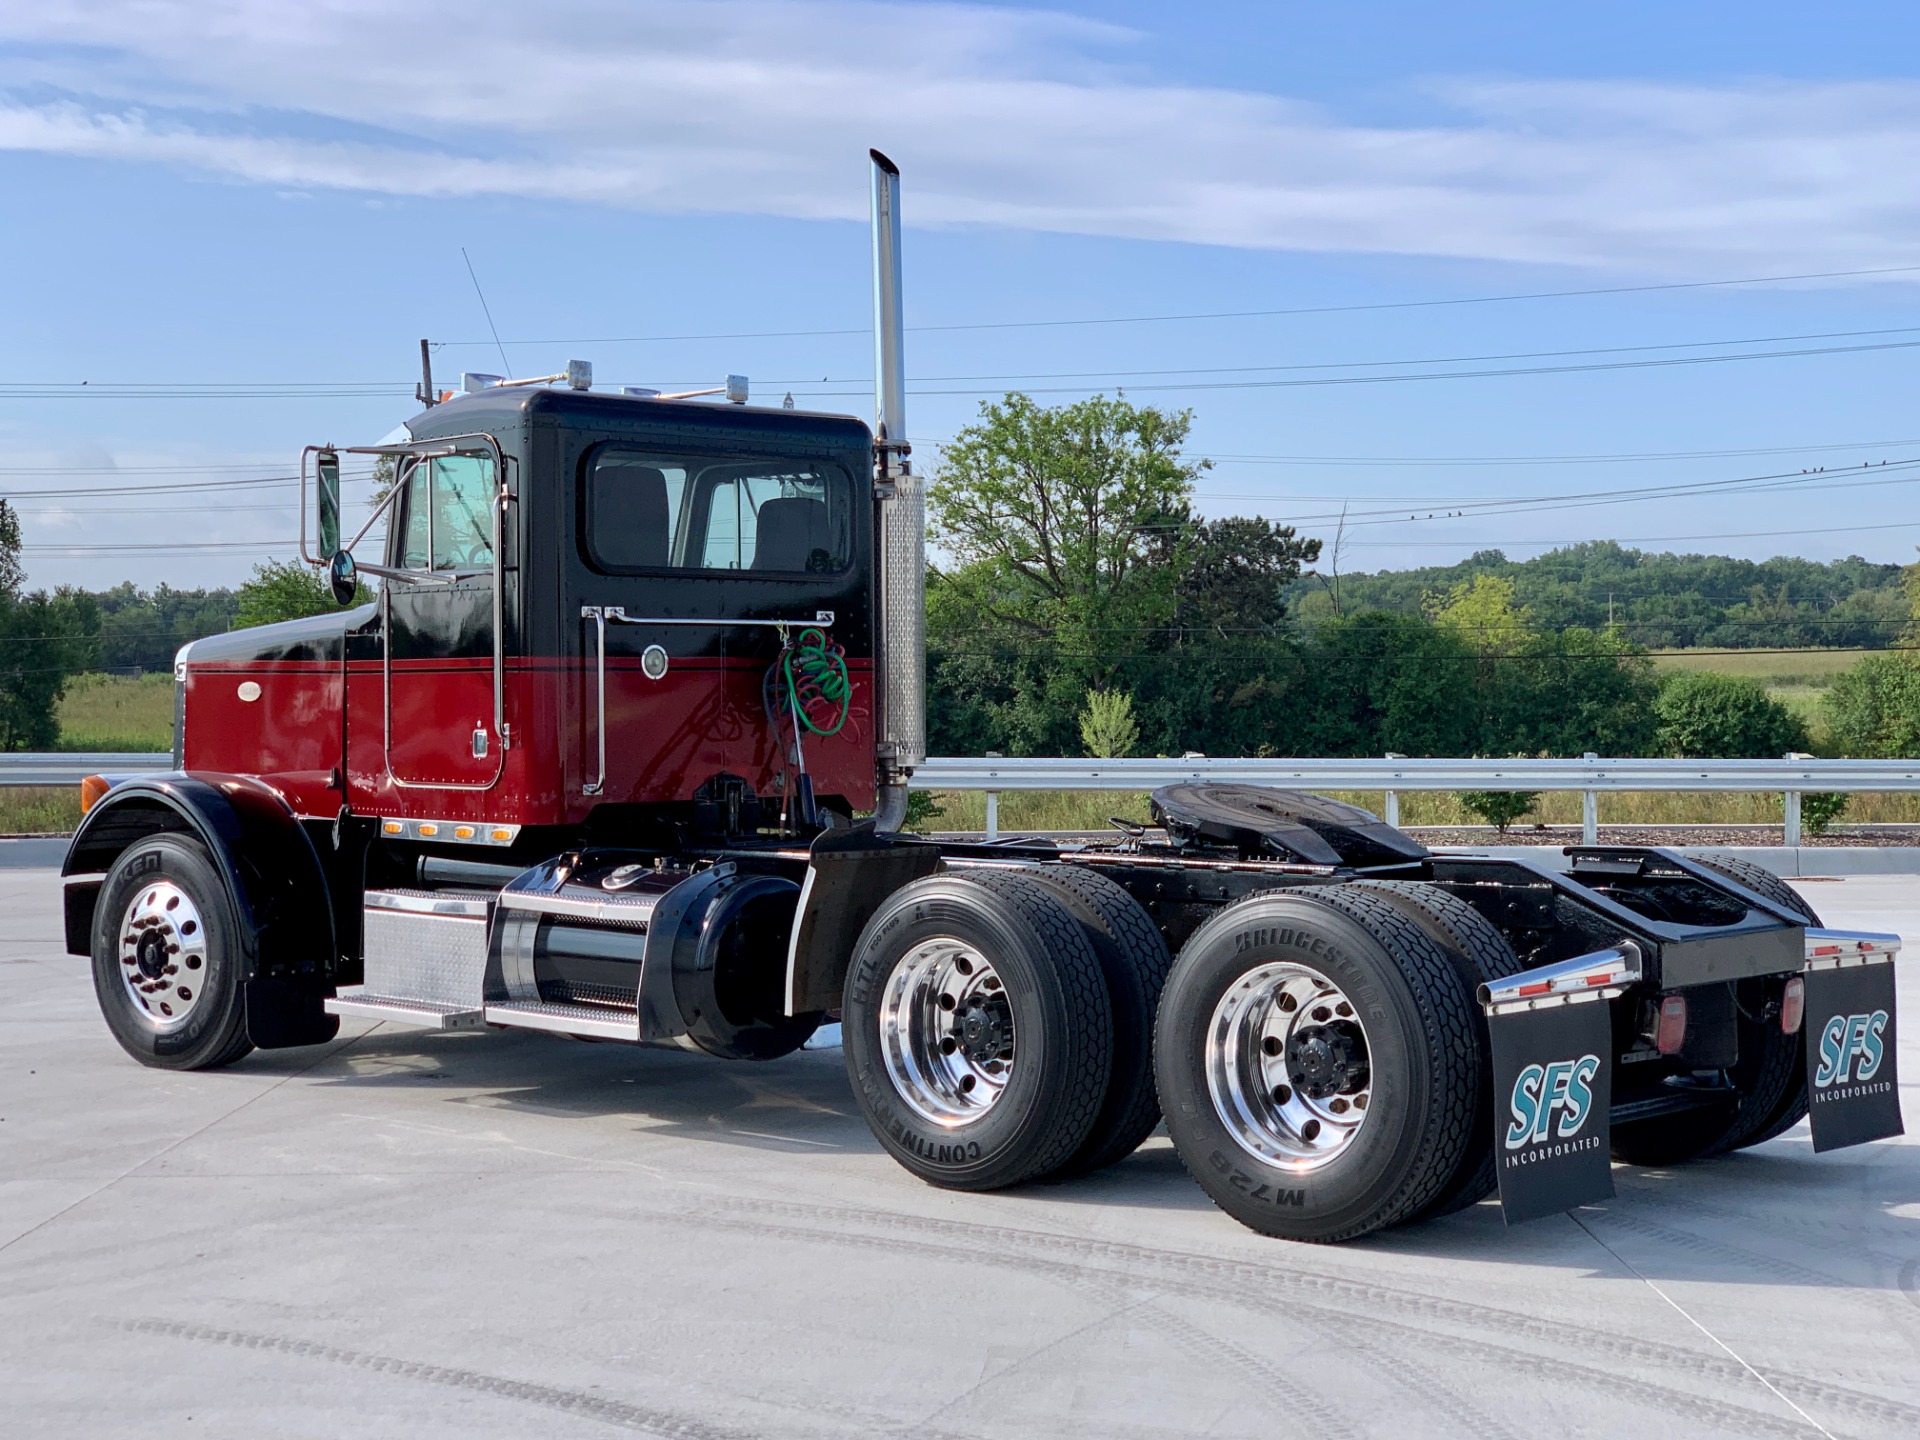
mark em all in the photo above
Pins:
pixel 1672 1029
pixel 1539 987
pixel 1793 1006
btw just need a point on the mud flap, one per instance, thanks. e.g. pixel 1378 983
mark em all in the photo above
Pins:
pixel 1552 1094
pixel 1853 1087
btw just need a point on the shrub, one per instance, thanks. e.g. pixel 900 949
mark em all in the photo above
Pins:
pixel 1107 726
pixel 1873 709
pixel 1703 715
pixel 1499 808
pixel 1820 808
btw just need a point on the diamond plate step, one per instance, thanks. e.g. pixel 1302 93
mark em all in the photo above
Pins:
pixel 426 1014
pixel 601 1022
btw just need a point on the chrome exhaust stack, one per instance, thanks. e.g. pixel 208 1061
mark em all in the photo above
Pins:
pixel 901 523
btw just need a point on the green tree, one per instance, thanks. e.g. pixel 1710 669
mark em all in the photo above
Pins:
pixel 284 590
pixel 1107 726
pixel 1067 531
pixel 1728 717
pixel 43 640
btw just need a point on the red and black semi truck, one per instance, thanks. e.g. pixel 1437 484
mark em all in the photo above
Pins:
pixel 621 751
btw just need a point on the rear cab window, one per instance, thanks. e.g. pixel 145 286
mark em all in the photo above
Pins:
pixel 647 511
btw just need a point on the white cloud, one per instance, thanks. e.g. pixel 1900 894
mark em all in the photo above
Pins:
pixel 999 117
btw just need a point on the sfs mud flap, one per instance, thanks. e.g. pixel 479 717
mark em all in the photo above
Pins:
pixel 1853 1088
pixel 1553 1089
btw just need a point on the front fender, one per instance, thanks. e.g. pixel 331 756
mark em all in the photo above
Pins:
pixel 276 880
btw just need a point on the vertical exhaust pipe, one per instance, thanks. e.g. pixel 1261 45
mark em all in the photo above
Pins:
pixel 901 522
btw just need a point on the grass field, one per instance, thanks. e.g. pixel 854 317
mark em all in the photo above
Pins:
pixel 117 712
pixel 1787 668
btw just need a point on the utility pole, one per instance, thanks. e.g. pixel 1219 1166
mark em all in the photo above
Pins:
pixel 425 394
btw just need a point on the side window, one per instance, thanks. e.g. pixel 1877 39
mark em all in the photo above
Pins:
pixel 448 521
pixel 657 512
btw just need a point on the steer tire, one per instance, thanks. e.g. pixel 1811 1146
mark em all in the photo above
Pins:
pixel 1134 959
pixel 1772 1070
pixel 1020 934
pixel 197 935
pixel 1251 1148
pixel 1482 955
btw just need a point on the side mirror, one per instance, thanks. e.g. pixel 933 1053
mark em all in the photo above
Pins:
pixel 327 468
pixel 343 576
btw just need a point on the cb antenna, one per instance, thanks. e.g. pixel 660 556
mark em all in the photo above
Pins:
pixel 505 364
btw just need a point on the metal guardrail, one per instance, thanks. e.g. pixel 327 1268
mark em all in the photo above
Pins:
pixel 1791 776
pixel 19 767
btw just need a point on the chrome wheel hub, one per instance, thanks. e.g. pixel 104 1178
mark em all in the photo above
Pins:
pixel 163 954
pixel 946 1032
pixel 1287 1066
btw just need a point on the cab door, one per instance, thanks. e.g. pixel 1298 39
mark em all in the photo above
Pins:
pixel 440 654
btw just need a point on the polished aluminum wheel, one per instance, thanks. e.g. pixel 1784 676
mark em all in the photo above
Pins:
pixel 163 954
pixel 1287 1066
pixel 946 1032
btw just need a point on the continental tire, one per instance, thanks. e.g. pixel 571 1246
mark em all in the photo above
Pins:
pixel 1134 959
pixel 1481 954
pixel 977 1030
pixel 1771 1073
pixel 167 966
pixel 1317 1060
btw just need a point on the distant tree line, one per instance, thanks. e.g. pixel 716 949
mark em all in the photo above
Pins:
pixel 1659 601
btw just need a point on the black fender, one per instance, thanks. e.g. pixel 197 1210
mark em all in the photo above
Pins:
pixel 274 875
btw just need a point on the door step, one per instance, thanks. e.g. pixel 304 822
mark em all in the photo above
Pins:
pixel 357 1000
pixel 599 1022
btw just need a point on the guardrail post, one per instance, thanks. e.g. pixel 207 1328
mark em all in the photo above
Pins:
pixel 1392 806
pixel 1590 810
pixel 1790 806
pixel 993 805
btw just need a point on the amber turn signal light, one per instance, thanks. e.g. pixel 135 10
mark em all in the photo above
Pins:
pixel 91 789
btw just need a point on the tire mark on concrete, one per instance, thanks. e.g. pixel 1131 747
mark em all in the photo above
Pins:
pixel 1270 1381
pixel 617 1413
pixel 1331 1297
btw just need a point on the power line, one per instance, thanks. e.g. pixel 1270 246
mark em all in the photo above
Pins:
pixel 1629 457
pixel 1223 314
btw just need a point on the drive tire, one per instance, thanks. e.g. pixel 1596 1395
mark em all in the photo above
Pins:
pixel 211 1031
pixel 1420 1045
pixel 1019 933
pixel 1482 955
pixel 1134 960
pixel 1773 1067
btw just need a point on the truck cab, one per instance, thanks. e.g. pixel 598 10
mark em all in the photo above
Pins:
pixel 564 573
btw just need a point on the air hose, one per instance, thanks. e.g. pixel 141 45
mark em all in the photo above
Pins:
pixel 808 684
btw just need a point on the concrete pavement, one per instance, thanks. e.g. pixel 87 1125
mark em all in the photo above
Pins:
pixel 512 1235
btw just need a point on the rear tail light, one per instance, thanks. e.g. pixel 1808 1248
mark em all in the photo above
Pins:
pixel 1671 1029
pixel 1793 1006
pixel 91 789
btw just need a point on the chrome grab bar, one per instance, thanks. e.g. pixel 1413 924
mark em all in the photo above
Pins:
pixel 604 615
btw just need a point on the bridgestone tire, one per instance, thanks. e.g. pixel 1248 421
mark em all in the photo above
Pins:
pixel 1134 959
pixel 214 1032
pixel 1481 954
pixel 1422 1050
pixel 1772 1068
pixel 1061 1020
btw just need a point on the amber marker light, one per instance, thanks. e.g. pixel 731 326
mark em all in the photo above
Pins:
pixel 91 789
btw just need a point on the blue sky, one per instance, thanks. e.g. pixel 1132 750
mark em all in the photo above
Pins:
pixel 270 199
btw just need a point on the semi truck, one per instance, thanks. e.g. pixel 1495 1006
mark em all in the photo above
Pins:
pixel 621 753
